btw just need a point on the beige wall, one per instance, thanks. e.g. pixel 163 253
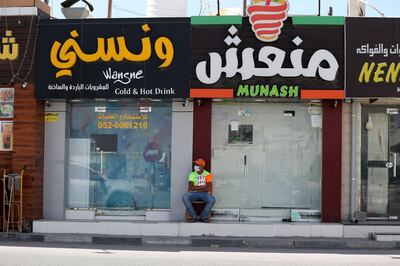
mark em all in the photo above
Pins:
pixel 26 3
pixel 346 163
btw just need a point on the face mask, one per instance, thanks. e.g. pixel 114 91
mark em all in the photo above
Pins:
pixel 196 168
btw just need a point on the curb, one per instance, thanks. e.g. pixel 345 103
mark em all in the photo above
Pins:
pixel 207 241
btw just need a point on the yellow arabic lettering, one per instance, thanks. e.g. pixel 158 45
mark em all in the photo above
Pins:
pixel 164 50
pixel 68 57
pixel 111 52
pixel 10 47
pixel 143 56
pixel 64 56
pixel 146 48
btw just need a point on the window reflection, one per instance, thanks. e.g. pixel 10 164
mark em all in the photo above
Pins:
pixel 119 155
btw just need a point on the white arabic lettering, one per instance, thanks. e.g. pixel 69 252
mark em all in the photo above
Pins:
pixel 379 49
pixel 273 58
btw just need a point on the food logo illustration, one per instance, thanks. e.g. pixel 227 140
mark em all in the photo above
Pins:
pixel 267 17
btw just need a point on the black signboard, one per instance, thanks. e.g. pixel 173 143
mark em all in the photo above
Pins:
pixel 17 38
pixel 118 58
pixel 372 57
pixel 301 62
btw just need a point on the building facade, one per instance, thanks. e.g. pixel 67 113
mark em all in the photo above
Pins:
pixel 21 118
pixel 109 114
pixel 372 86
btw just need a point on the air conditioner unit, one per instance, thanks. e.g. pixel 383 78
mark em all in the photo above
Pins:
pixel 299 215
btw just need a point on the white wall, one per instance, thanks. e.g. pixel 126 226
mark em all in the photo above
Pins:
pixel 355 8
pixel 54 163
pixel 166 8
pixel 181 156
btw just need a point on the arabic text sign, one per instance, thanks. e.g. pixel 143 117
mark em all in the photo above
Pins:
pixel 9 48
pixel 122 121
pixel 17 48
pixel 303 58
pixel 119 58
pixel 372 57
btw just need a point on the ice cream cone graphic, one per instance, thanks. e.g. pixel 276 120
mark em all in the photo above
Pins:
pixel 267 17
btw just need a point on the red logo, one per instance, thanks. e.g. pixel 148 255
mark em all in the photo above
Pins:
pixel 267 17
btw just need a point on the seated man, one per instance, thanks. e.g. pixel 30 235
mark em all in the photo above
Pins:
pixel 200 188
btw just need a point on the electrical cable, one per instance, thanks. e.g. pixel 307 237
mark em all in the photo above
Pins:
pixel 127 11
pixel 15 75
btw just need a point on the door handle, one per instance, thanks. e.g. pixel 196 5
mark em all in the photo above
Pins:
pixel 245 166
pixel 101 162
pixel 394 164
pixel 389 165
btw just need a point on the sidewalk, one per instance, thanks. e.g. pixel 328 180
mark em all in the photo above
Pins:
pixel 209 241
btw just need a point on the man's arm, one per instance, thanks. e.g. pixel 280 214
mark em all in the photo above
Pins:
pixel 209 187
pixel 193 188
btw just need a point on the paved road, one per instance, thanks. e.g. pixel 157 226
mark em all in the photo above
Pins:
pixel 12 254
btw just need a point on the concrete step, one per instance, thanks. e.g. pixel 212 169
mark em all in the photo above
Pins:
pixel 387 237
pixel 178 229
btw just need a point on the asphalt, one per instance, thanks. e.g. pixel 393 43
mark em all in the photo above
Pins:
pixel 207 241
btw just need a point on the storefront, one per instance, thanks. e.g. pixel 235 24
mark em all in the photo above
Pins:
pixel 121 133
pixel 372 57
pixel 113 89
pixel 272 128
pixel 21 115
pixel 119 159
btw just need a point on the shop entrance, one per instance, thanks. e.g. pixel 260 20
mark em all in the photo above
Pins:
pixel 266 158
pixel 119 156
pixel 380 158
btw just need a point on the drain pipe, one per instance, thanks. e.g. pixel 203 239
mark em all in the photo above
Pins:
pixel 353 162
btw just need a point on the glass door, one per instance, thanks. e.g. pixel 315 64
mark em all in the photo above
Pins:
pixel 380 180
pixel 394 175
pixel 266 157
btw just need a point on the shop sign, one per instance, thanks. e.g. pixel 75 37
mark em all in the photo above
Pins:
pixel 122 121
pixel 17 44
pixel 314 108
pixel 372 57
pixel 9 48
pixel 119 58
pixel 51 117
pixel 267 60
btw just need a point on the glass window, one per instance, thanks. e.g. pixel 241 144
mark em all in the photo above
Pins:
pixel 119 155
pixel 281 165
pixel 242 134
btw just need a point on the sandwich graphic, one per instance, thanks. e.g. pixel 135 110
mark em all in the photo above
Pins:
pixel 267 17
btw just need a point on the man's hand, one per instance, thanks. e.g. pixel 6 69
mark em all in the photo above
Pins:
pixel 200 188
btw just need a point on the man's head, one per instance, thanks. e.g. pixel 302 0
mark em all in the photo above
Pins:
pixel 199 165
